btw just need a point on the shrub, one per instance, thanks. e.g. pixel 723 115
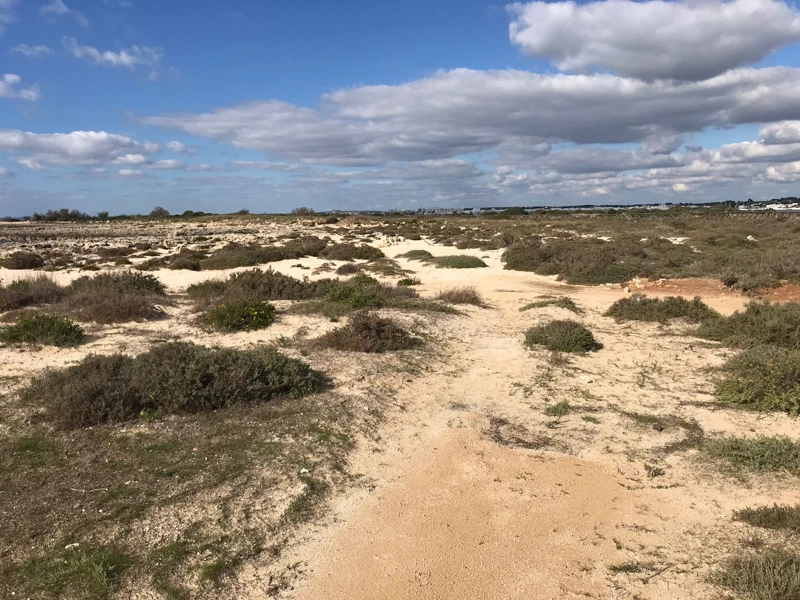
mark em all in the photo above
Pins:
pixel 171 378
pixel 461 295
pixel 22 260
pixel 45 329
pixel 366 332
pixel 159 213
pixel 562 336
pixel 770 575
pixel 639 307
pixel 458 262
pixel 561 302
pixel 236 255
pixel 423 255
pixel 255 283
pixel 408 281
pixel 115 297
pixel 768 454
pixel 28 292
pixel 244 314
pixel 763 378
pixel 185 263
pixel 348 269
pixel 123 282
pixel 352 252
pixel 771 517
pixel 557 410
pixel 760 323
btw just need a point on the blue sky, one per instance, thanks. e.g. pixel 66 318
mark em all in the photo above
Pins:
pixel 122 105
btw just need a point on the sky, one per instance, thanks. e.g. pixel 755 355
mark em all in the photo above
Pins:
pixel 124 105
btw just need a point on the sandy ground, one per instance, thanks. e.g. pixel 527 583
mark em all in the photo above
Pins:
pixel 471 492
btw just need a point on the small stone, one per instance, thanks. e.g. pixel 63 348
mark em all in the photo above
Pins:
pixel 658 427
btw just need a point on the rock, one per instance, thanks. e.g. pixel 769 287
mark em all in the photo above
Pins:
pixel 658 427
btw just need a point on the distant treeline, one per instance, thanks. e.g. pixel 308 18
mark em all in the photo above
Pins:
pixel 65 214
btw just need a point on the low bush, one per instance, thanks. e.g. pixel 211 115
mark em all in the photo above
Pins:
pixel 763 378
pixel 560 302
pixel 461 295
pixel 171 378
pixel 22 260
pixel 639 307
pixel 29 292
pixel 557 410
pixel 123 282
pixel 417 255
pixel 562 336
pixel 263 285
pixel 243 314
pixel 115 297
pixel 367 332
pixel 760 323
pixel 457 261
pixel 352 252
pixel 408 281
pixel 771 517
pixel 348 269
pixel 766 454
pixel 45 329
pixel 773 574
pixel 237 255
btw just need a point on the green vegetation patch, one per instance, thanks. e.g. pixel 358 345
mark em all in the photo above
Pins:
pixel 761 454
pixel 366 332
pixel 243 314
pixel 457 261
pixel 41 328
pixel 771 517
pixel 562 336
pixel 639 307
pixel 560 302
pixel 764 378
pixel 171 378
pixel 769 575
pixel 760 323
pixel 29 292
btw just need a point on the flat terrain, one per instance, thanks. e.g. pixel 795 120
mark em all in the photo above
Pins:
pixel 467 467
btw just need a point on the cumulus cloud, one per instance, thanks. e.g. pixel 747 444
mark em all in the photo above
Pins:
pixel 458 112
pixel 129 58
pixel 179 148
pixel 76 148
pixel 31 51
pixel 685 40
pixel 9 89
pixel 57 8
pixel 786 132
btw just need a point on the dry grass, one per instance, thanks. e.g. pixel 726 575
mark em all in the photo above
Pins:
pixel 461 295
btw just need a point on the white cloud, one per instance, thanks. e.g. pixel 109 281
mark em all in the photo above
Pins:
pixel 31 51
pixel 130 172
pixel 687 40
pixel 458 112
pixel 57 9
pixel 786 132
pixel 129 58
pixel 130 159
pixel 168 164
pixel 6 18
pixel 180 148
pixel 9 89
pixel 76 148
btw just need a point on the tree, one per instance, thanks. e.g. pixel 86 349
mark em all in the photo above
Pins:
pixel 302 211
pixel 159 213
pixel 103 215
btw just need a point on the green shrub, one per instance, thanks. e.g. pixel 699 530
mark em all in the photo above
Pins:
pixel 29 292
pixel 123 282
pixel 244 314
pixel 763 378
pixel 771 517
pixel 408 281
pixel 639 307
pixel 366 332
pixel 557 410
pixel 760 323
pixel 769 575
pixel 767 454
pixel 348 269
pixel 562 336
pixel 22 260
pixel 458 262
pixel 263 285
pixel 235 255
pixel 561 302
pixel 423 255
pixel 461 295
pixel 45 329
pixel 170 378
pixel 352 252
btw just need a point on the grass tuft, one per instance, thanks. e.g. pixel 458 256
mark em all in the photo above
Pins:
pixel 171 378
pixel 45 329
pixel 461 295
pixel 367 332
pixel 764 378
pixel 639 307
pixel 770 575
pixel 771 517
pixel 560 302
pixel 562 336
pixel 760 454
pixel 557 410
pixel 760 323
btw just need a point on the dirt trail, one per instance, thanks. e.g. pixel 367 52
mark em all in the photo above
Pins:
pixel 470 494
